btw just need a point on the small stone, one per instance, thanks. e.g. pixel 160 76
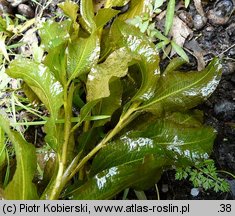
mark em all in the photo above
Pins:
pixel 186 18
pixel 5 7
pixel 225 109
pixel 228 67
pixel 25 10
pixel 15 3
pixel 199 21
pixel 221 12
pixel 231 53
pixel 194 192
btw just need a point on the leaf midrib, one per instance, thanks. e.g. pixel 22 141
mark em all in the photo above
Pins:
pixel 176 92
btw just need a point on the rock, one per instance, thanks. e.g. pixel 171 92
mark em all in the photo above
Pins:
pixel 228 67
pixel 231 31
pixel 5 7
pixel 225 109
pixel 15 3
pixel 194 192
pixel 221 12
pixel 231 53
pixel 25 10
pixel 199 21
pixel 186 18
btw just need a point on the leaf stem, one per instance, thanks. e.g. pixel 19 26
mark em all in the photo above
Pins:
pixel 57 187
pixel 124 120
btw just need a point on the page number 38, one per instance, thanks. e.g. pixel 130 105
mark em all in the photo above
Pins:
pixel 225 208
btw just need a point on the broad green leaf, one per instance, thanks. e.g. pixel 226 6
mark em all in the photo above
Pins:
pixel 21 186
pixel 169 16
pixel 181 144
pixel 174 64
pixel 56 61
pixel 70 8
pixel 180 51
pixel 144 52
pixel 111 181
pixel 83 54
pixel 103 16
pixel 181 91
pixel 2 148
pixel 116 65
pixel 115 3
pixel 137 8
pixel 53 33
pixel 108 105
pixel 87 15
pixel 186 3
pixel 40 79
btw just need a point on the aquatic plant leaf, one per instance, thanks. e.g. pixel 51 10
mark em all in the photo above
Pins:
pixel 70 8
pixel 53 33
pixel 40 79
pixel 99 77
pixel 143 51
pixel 43 83
pixel 56 61
pixel 108 105
pixel 115 3
pixel 21 186
pixel 104 16
pixel 87 15
pixel 180 91
pixel 83 53
pixel 111 181
pixel 180 144
pixel 137 8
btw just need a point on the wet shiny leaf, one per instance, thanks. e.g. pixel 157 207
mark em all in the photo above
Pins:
pixel 40 79
pixel 179 91
pixel 111 181
pixel 99 77
pixel 43 83
pixel 87 15
pixel 179 143
pixel 55 60
pixel 104 15
pixel 115 3
pixel 83 53
pixel 53 33
pixel 21 186
pixel 144 52
pixel 109 104
pixel 70 8
pixel 137 8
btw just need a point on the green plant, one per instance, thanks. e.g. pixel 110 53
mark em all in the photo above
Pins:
pixel 204 175
pixel 146 24
pixel 131 122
